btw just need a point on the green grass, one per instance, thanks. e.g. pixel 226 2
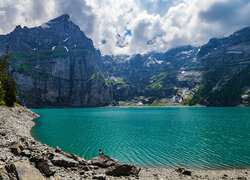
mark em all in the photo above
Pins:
pixel 157 102
pixel 93 76
pixel 117 81
pixel 47 54
pixel 28 68
pixel 158 83
pixel 233 89
pixel 229 94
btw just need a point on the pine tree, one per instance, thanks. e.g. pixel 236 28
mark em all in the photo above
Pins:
pixel 2 93
pixel 9 86
pixel 7 82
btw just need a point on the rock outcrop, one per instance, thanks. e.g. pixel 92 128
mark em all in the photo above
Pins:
pixel 55 64
pixel 123 170
pixel 226 66
pixel 104 161
pixel 23 171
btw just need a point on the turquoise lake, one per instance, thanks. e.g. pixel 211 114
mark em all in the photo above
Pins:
pixel 191 137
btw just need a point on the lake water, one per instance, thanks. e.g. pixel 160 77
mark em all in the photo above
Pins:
pixel 191 137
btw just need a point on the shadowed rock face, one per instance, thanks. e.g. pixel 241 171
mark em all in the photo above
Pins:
pixel 216 74
pixel 55 64
pixel 226 66
pixel 154 75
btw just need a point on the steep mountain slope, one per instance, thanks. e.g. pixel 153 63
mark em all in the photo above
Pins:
pixel 226 63
pixel 56 65
pixel 218 72
pixel 155 76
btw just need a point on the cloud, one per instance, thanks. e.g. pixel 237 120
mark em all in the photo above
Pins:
pixel 158 25
pixel 228 14
pixel 79 11
pixel 134 26
pixel 8 14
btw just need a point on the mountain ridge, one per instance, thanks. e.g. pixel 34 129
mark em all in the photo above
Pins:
pixel 55 65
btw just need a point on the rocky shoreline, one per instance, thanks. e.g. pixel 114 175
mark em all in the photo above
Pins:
pixel 24 158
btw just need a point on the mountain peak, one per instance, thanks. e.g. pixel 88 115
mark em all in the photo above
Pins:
pixel 64 18
pixel 60 19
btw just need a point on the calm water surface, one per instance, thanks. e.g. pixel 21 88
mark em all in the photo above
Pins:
pixel 160 137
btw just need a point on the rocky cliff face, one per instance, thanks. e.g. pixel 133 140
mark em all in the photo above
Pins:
pixel 216 74
pixel 226 66
pixel 56 65
pixel 168 77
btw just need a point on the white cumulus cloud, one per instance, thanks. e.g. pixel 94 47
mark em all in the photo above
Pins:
pixel 134 26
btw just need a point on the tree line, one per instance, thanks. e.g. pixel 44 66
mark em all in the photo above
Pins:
pixel 8 90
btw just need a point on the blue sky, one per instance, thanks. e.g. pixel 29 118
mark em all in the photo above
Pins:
pixel 158 6
pixel 134 26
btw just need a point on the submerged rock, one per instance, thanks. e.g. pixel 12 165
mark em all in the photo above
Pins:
pixel 123 170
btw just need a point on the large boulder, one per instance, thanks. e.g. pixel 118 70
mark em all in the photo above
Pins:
pixel 104 161
pixel 63 161
pixel 16 148
pixel 23 171
pixel 3 173
pixel 123 170
pixel 43 165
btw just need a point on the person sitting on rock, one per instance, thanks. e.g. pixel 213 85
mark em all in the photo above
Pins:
pixel 100 152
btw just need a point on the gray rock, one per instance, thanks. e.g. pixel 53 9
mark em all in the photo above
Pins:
pixel 63 161
pixel 104 161
pixel 100 176
pixel 3 133
pixel 43 165
pixel 123 170
pixel 23 171
pixel 85 168
pixel 26 153
pixel 3 173
pixel 58 149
